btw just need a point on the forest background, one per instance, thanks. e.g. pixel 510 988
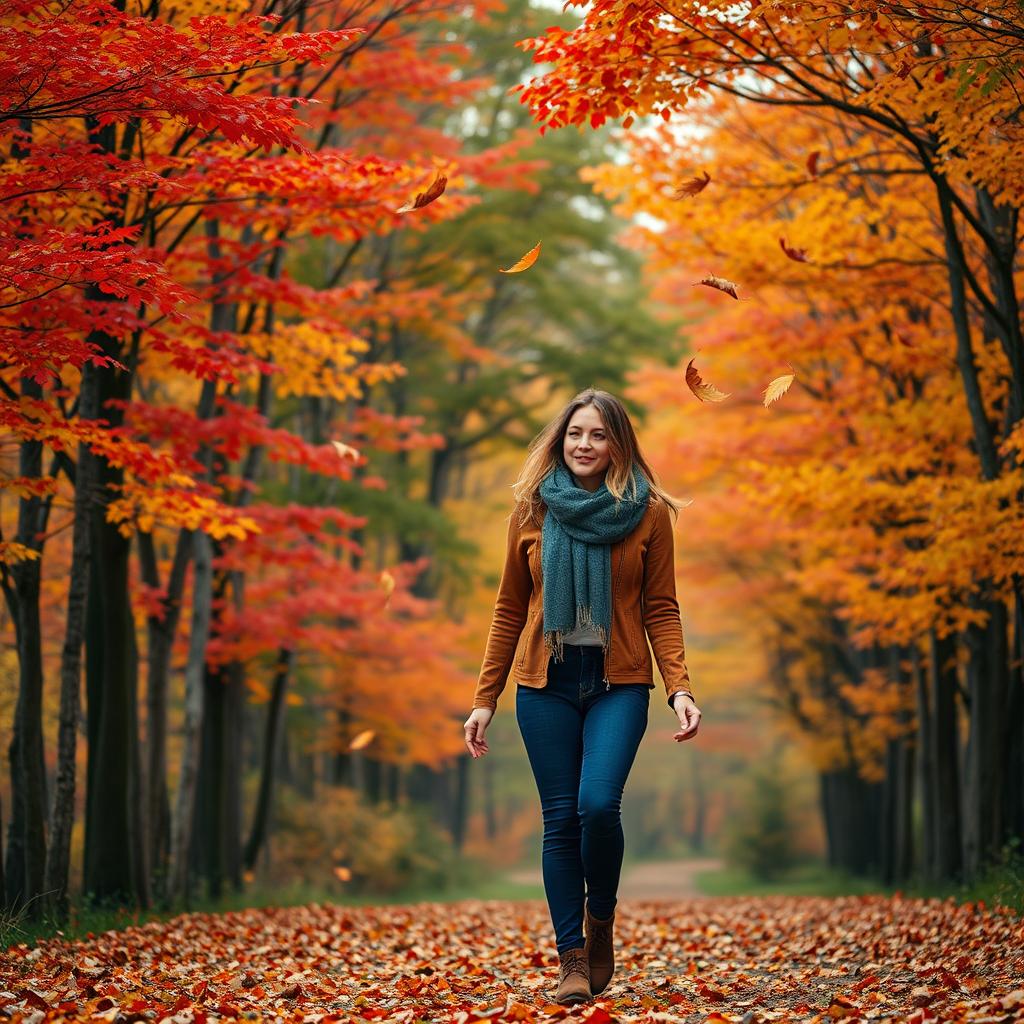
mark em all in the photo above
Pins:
pixel 265 390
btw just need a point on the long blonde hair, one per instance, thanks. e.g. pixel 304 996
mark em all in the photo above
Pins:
pixel 545 452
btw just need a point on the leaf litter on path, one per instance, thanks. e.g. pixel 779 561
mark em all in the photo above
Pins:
pixel 730 960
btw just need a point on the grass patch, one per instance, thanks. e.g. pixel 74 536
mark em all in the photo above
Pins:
pixel 805 879
pixel 474 882
pixel 1001 885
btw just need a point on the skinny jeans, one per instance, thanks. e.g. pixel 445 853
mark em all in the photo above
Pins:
pixel 581 736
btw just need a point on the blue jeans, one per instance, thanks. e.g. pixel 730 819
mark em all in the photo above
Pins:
pixel 581 737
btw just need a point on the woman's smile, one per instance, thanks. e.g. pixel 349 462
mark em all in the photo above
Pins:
pixel 585 447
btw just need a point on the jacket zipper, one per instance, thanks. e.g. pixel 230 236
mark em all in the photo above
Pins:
pixel 615 587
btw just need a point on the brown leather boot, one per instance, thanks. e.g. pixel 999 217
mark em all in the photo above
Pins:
pixel 599 950
pixel 574 977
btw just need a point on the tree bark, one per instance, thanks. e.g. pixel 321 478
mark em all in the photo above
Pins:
pixel 926 771
pixel 108 862
pixel 26 847
pixel 232 761
pixel 985 764
pixel 184 806
pixel 983 438
pixel 942 670
pixel 275 710
pixel 62 810
pixel 1013 804
pixel 161 631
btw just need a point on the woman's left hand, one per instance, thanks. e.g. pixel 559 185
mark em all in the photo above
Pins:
pixel 689 717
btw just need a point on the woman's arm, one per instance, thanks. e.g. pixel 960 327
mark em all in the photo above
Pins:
pixel 661 609
pixel 510 610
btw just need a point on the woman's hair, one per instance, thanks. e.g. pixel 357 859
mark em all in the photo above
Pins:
pixel 546 448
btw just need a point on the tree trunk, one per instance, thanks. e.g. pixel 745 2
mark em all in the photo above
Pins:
pixel 108 869
pixel 945 759
pixel 218 807
pixel 210 786
pixel 1001 222
pixel 62 810
pixel 852 814
pixel 232 762
pixel 926 769
pixel 161 631
pixel 983 439
pixel 988 688
pixel 275 711
pixel 1013 804
pixel 184 806
pixel 138 822
pixel 26 848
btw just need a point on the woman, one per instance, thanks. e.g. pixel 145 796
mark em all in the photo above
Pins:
pixel 589 569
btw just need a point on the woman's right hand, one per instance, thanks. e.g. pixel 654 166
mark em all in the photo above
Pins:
pixel 476 726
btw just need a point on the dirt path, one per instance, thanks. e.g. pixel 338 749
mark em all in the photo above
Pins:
pixel 652 880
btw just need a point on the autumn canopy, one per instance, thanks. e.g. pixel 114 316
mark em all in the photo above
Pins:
pixel 285 293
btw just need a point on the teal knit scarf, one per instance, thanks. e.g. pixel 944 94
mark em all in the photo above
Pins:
pixel 576 559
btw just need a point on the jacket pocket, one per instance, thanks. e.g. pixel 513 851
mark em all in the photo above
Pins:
pixel 528 637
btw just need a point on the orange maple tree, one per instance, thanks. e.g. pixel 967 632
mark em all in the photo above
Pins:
pixel 846 184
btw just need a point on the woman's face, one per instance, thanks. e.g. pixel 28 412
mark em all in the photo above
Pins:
pixel 585 447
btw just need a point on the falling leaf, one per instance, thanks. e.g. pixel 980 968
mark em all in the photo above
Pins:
pixel 800 255
pixel 362 739
pixel 434 190
pixel 346 451
pixel 342 873
pixel 387 583
pixel 812 164
pixel 705 392
pixel 525 263
pixel 692 187
pixel 720 283
pixel 777 388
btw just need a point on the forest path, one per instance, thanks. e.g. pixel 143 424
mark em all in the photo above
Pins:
pixel 646 880
pixel 723 960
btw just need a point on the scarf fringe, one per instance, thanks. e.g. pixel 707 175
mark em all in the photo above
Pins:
pixel 554 644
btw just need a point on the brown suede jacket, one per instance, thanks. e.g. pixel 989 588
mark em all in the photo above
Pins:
pixel 643 601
